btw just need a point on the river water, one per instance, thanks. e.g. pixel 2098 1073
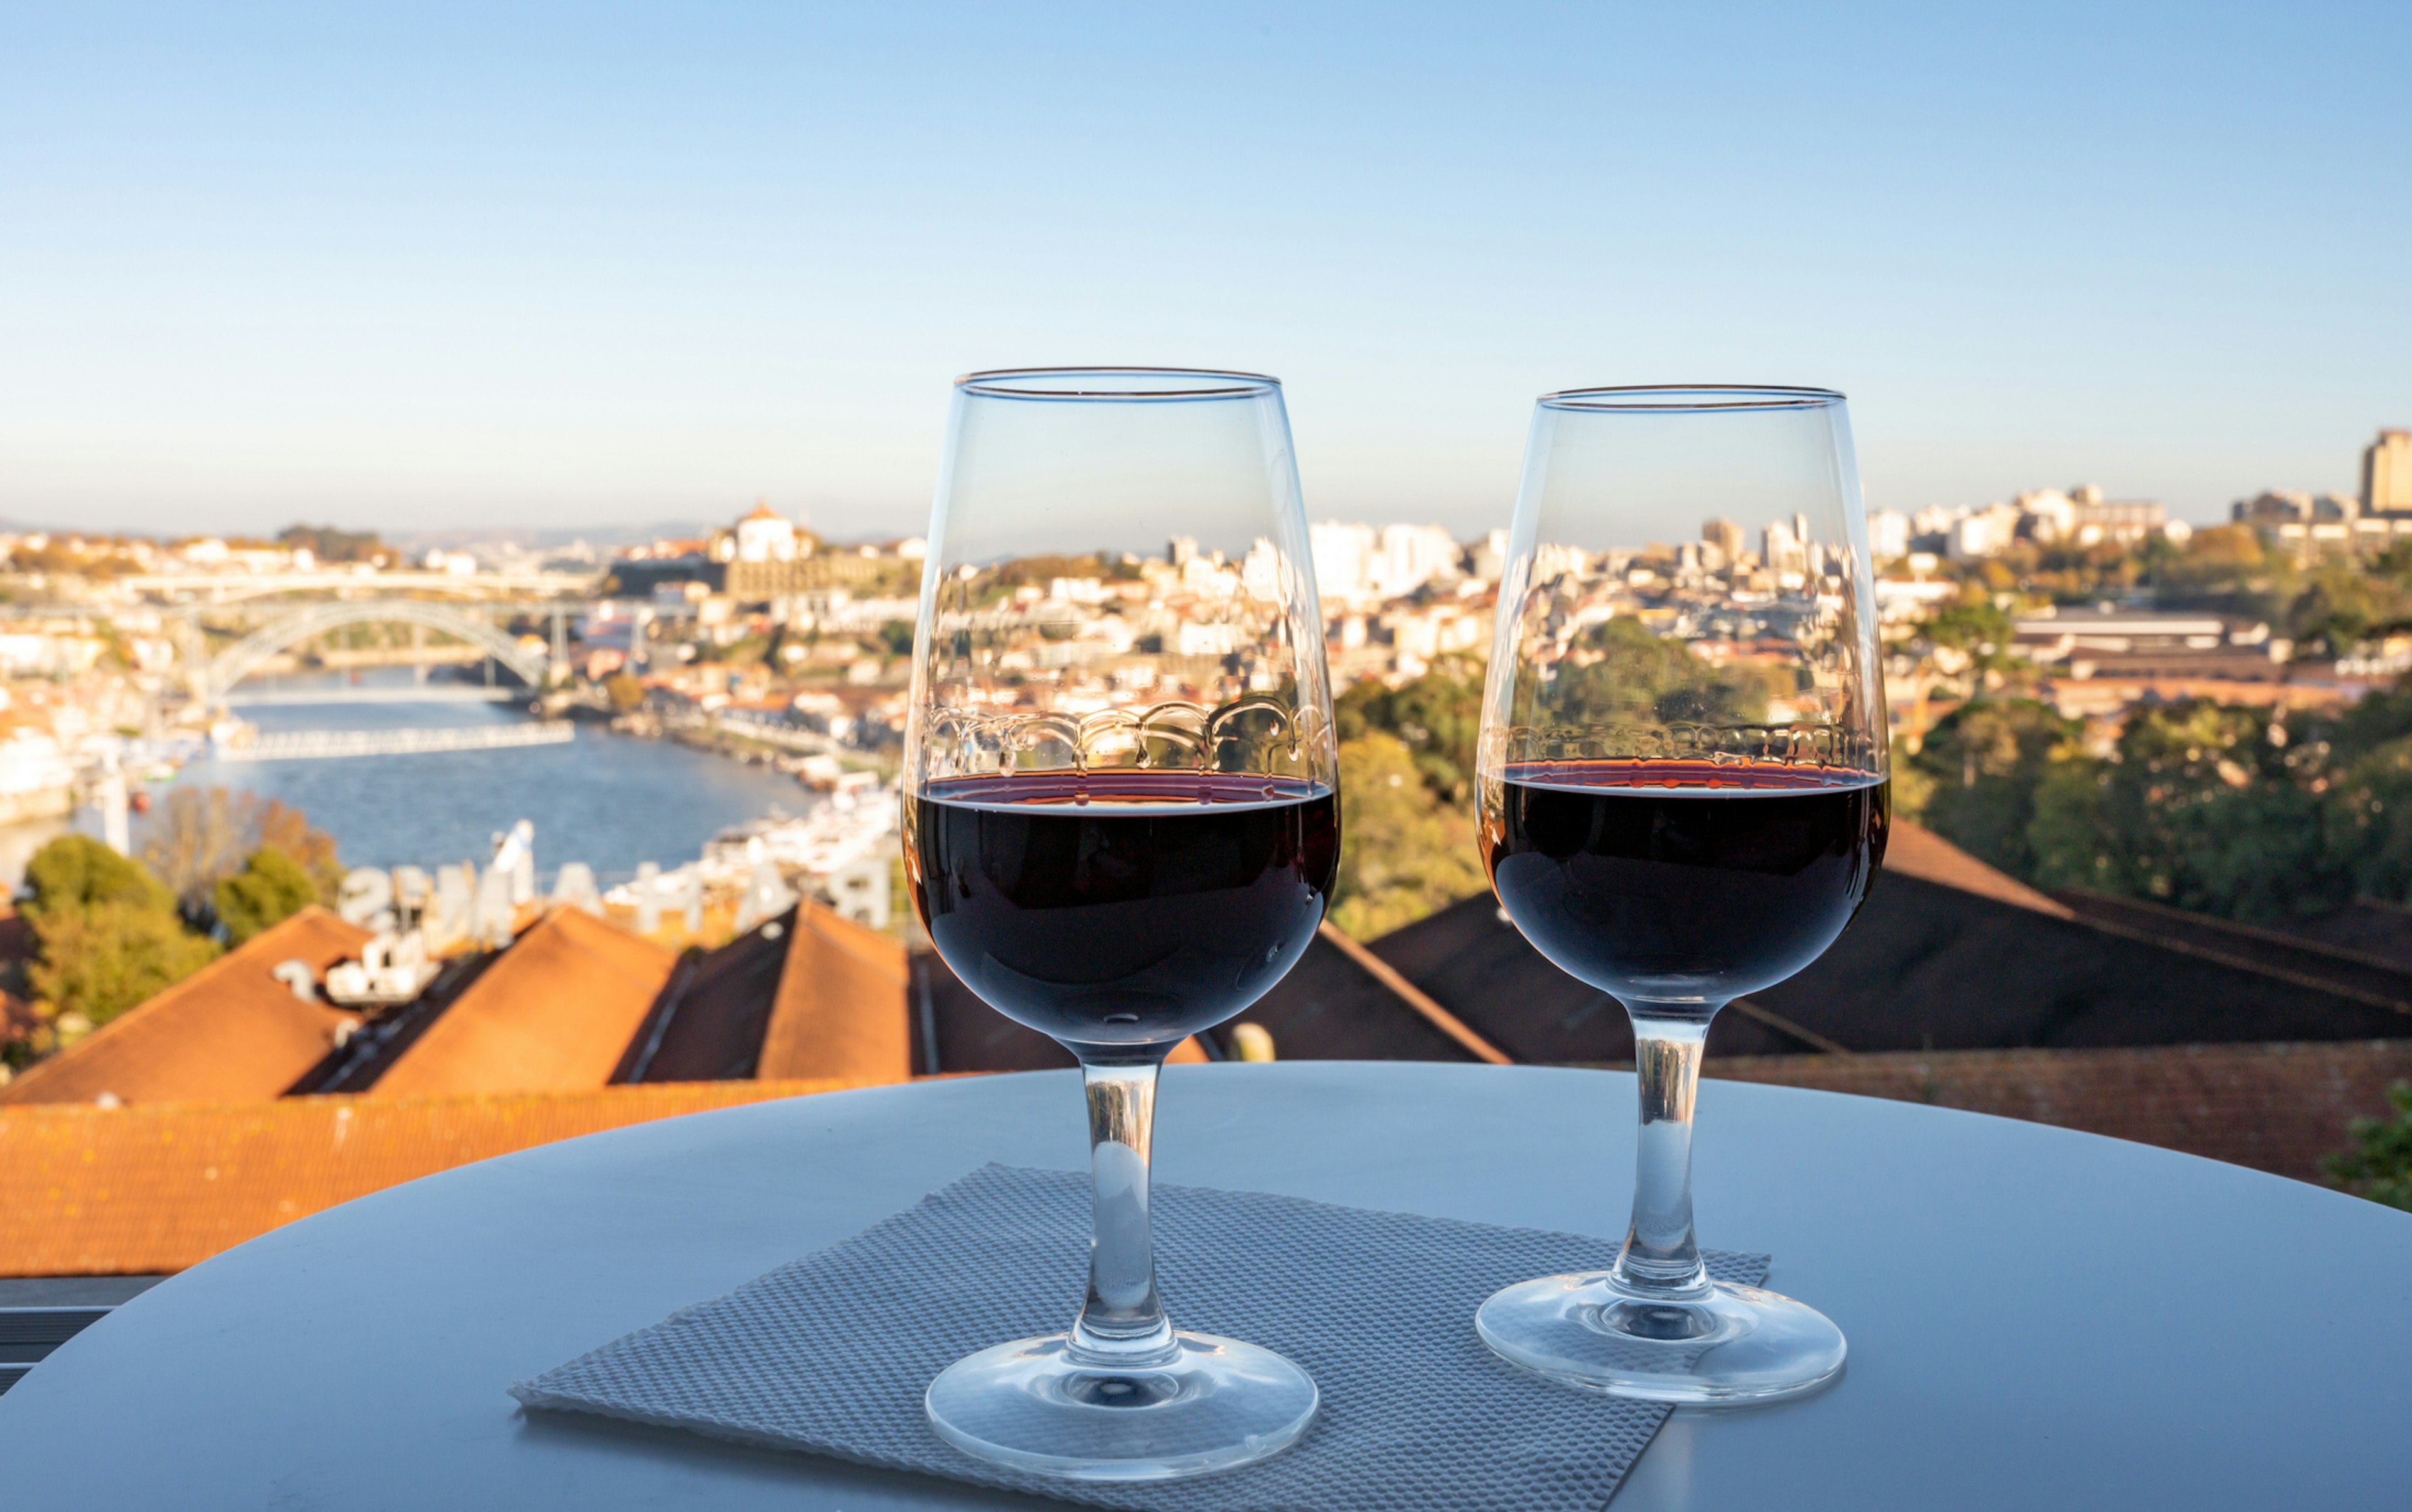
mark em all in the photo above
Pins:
pixel 610 800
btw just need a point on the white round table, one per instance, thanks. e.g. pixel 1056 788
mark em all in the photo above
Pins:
pixel 2037 1318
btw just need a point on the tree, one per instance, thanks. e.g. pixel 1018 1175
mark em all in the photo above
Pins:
pixel 203 835
pixel 288 830
pixel 2379 1165
pixel 329 544
pixel 75 872
pixel 1438 717
pixel 103 960
pixel 2198 809
pixel 106 931
pixel 626 693
pixel 1978 771
pixel 1403 853
pixel 271 887
pixel 1618 674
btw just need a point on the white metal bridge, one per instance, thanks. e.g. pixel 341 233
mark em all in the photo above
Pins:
pixel 213 678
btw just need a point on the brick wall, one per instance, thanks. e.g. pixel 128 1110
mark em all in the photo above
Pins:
pixel 2276 1108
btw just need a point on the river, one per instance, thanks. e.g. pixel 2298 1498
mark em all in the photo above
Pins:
pixel 610 800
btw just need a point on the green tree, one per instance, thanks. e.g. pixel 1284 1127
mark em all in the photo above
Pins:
pixel 1977 773
pixel 2232 568
pixel 2379 1165
pixel 1620 674
pixel 626 693
pixel 1438 717
pixel 77 871
pixel 2200 809
pixel 106 931
pixel 103 960
pixel 271 887
pixel 1403 853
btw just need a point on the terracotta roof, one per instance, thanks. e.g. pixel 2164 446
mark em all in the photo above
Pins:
pixel 229 1031
pixel 763 511
pixel 840 1009
pixel 1914 850
pixel 157 1187
pixel 2277 1108
pixel 553 1013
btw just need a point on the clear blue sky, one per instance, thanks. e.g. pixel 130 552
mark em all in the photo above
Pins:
pixel 425 266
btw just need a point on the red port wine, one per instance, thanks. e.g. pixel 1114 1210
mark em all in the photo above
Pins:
pixel 1684 885
pixel 1119 910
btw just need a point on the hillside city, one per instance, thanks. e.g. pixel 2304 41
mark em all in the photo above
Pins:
pixel 2152 780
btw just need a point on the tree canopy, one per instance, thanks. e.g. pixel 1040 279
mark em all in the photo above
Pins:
pixel 2379 1164
pixel 1404 852
pixel 271 887
pixel 106 931
pixel 77 871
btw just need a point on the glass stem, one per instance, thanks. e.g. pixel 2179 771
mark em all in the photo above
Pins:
pixel 1122 1322
pixel 1660 1258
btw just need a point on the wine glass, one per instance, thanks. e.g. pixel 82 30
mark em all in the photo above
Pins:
pixel 1121 827
pixel 1685 796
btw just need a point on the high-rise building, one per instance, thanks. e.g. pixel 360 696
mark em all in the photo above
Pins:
pixel 2387 474
pixel 1726 537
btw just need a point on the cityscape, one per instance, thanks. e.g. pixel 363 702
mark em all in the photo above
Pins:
pixel 660 847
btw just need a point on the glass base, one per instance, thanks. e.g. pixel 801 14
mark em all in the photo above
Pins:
pixel 1733 1346
pixel 1214 1404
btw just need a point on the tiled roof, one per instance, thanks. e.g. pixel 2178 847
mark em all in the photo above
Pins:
pixel 1914 850
pixel 156 1187
pixel 553 1013
pixel 229 1031
pixel 2277 1108
pixel 1946 953
pixel 2286 958
pixel 807 994
pixel 840 1009
pixel 1343 1002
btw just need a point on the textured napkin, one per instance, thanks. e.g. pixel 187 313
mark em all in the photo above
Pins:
pixel 831 1352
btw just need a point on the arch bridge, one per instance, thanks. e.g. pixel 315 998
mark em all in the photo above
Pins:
pixel 213 678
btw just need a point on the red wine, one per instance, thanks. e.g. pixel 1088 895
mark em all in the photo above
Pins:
pixel 1683 884
pixel 1120 910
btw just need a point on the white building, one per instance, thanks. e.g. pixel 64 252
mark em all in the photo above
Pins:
pixel 1986 532
pixel 1887 534
pixel 2047 515
pixel 765 535
pixel 1344 556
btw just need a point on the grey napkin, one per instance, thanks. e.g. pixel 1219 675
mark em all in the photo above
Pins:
pixel 831 1352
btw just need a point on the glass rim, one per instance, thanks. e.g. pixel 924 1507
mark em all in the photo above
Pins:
pixel 1695 398
pixel 1119 383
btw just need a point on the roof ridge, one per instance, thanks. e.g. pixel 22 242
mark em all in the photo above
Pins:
pixel 137 1021
pixel 1961 870
pixel 856 939
pixel 2252 932
pixel 1414 996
